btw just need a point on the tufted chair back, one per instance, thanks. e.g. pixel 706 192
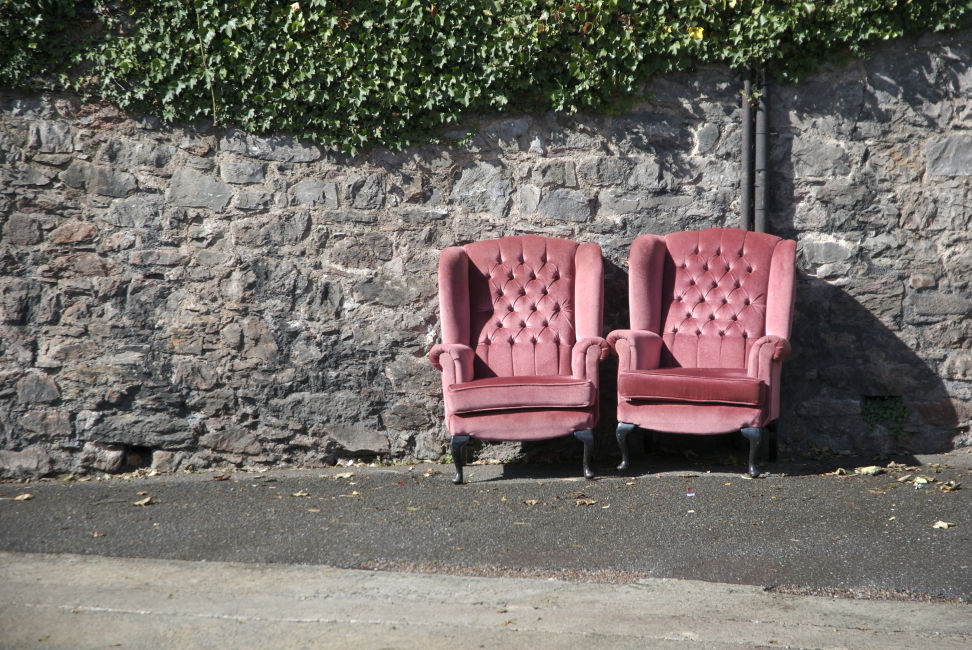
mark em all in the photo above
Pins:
pixel 717 298
pixel 527 307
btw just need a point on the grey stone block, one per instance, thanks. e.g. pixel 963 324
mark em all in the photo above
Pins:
pixel 242 171
pixel 277 148
pixel 191 189
pixel 950 156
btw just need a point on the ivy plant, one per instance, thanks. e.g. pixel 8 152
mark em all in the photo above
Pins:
pixel 355 73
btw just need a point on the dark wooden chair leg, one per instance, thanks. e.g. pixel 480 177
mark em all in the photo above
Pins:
pixel 756 437
pixel 587 437
pixel 624 429
pixel 458 451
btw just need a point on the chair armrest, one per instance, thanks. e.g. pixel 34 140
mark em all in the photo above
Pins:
pixel 454 361
pixel 766 352
pixel 586 355
pixel 636 349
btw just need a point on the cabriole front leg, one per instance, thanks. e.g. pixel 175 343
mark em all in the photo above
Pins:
pixel 458 451
pixel 624 429
pixel 755 436
pixel 587 437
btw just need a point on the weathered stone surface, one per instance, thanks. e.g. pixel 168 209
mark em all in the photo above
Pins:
pixel 50 137
pixel 36 388
pixel 30 462
pixel 367 191
pixel 355 439
pixel 950 156
pixel 22 230
pixel 102 458
pixel 278 148
pixel 98 179
pixel 191 189
pixel 47 422
pixel 483 187
pixel 135 211
pixel 565 205
pixel 234 440
pixel 152 430
pixel 73 233
pixel 242 171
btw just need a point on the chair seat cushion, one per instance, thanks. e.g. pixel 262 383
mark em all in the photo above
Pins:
pixel 506 393
pixel 692 386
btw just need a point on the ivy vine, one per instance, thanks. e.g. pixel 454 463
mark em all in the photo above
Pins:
pixel 355 73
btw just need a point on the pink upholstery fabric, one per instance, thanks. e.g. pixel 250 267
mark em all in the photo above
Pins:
pixel 505 393
pixel 521 329
pixel 692 385
pixel 711 312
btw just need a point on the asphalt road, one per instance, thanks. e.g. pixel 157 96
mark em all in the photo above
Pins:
pixel 802 527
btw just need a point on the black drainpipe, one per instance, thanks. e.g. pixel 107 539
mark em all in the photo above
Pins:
pixel 746 182
pixel 761 183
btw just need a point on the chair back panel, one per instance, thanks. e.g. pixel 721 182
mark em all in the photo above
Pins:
pixel 714 300
pixel 521 295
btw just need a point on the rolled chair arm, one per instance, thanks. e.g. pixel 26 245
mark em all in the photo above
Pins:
pixel 587 354
pixel 766 352
pixel 636 349
pixel 454 361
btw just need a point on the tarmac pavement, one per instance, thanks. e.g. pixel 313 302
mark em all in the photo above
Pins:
pixel 675 553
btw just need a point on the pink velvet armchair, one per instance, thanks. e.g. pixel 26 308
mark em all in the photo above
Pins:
pixel 710 324
pixel 521 341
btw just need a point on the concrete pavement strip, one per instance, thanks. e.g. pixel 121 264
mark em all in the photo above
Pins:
pixel 75 601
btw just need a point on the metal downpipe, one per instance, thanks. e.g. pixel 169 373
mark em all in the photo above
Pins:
pixel 746 172
pixel 761 183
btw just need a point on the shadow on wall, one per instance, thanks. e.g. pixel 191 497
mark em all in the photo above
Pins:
pixel 852 380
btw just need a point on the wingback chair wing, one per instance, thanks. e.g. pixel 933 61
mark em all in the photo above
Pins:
pixel 521 340
pixel 711 312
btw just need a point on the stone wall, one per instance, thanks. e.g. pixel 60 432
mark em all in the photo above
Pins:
pixel 195 297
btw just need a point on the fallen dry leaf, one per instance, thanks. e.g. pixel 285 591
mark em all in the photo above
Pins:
pixel 26 496
pixel 95 533
pixel 300 493
pixel 531 502
pixel 869 470
pixel 313 510
pixel 143 502
pixel 949 486
pixel 344 475
pixel 942 524
pixel 906 477
pixel 221 477
pixel 840 471
pixel 142 493
pixel 584 502
pixel 412 508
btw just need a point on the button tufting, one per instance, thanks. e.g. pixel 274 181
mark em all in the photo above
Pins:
pixel 522 291
pixel 678 298
pixel 722 333
pixel 733 317
pixel 499 326
pixel 714 284
pixel 711 316
pixel 691 283
pixel 718 252
pixel 522 323
pixel 736 284
pixel 745 335
pixel 705 267
pixel 684 265
pixel 533 307
pixel 746 302
pixel 698 332
pixel 701 298
pixel 543 291
pixel 749 269
pixel 724 301
pixel 509 308
pixel 545 324
pixel 533 340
